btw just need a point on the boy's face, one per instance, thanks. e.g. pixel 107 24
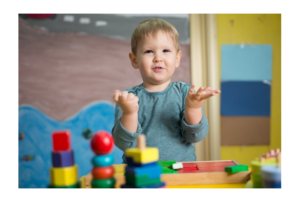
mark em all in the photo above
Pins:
pixel 156 58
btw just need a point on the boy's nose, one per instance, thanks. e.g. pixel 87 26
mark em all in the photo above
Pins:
pixel 157 58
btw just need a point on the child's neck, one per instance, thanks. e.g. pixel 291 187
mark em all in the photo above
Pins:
pixel 156 87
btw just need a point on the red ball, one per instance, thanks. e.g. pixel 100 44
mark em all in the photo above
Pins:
pixel 102 143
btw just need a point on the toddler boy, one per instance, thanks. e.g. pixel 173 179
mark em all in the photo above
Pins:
pixel 169 113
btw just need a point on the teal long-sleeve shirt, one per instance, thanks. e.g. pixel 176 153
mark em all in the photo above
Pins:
pixel 161 120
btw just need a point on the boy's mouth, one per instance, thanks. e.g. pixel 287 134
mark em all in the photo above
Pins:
pixel 157 68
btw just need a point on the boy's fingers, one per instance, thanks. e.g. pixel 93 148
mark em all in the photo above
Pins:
pixel 207 89
pixel 198 93
pixel 136 99
pixel 130 96
pixel 191 90
pixel 116 95
pixel 123 96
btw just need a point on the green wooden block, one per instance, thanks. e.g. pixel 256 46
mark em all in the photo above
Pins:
pixel 257 184
pixel 103 183
pixel 168 171
pixel 77 185
pixel 141 180
pixel 236 168
pixel 165 164
pixel 256 176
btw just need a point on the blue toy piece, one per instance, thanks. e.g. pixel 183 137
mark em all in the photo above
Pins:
pixel 271 176
pixel 130 162
pixel 102 160
pixel 63 159
pixel 149 186
pixel 271 184
pixel 152 171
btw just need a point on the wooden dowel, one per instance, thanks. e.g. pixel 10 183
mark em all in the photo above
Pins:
pixel 141 142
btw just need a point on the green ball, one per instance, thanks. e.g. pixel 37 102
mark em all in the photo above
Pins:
pixel 104 183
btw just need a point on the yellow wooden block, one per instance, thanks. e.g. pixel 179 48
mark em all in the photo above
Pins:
pixel 64 176
pixel 119 167
pixel 148 155
pixel 256 164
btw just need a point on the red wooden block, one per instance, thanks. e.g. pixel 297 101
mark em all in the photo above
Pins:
pixel 189 168
pixel 189 165
pixel 61 140
pixel 211 164
pixel 103 172
pixel 189 171
pixel 212 169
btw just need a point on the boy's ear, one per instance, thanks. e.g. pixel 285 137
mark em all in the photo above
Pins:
pixel 178 57
pixel 132 58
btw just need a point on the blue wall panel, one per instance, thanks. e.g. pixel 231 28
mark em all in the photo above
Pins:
pixel 246 62
pixel 242 98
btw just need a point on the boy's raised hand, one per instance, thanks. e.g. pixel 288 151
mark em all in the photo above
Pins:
pixel 127 101
pixel 196 99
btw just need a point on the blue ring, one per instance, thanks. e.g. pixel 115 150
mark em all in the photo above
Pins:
pixel 103 160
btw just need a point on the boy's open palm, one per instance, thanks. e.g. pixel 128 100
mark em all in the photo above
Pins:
pixel 127 101
pixel 196 99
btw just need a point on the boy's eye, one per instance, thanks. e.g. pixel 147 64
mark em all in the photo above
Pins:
pixel 166 50
pixel 148 51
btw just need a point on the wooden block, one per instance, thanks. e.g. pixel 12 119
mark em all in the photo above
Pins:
pixel 130 162
pixel 177 166
pixel 142 180
pixel 151 171
pixel 189 165
pixel 256 165
pixel 103 172
pixel 190 168
pixel 256 177
pixel 103 183
pixel 160 185
pixel 212 163
pixel 271 184
pixel 61 140
pixel 148 155
pixel 103 160
pixel 65 176
pixel 168 170
pixel 63 159
pixel 236 168
pixel 77 185
pixel 166 164
pixel 189 171
pixel 86 181
pixel 257 184
pixel 119 168
pixel 212 169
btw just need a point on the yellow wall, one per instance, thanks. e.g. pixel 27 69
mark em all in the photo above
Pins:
pixel 255 29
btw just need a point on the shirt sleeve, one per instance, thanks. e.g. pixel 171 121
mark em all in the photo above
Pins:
pixel 193 133
pixel 122 137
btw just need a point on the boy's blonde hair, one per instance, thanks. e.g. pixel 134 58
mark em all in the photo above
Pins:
pixel 152 26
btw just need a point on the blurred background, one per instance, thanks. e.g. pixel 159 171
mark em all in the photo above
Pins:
pixel 70 64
